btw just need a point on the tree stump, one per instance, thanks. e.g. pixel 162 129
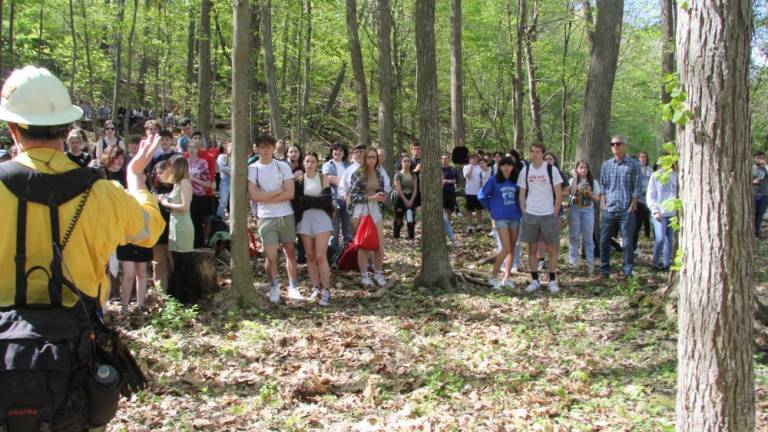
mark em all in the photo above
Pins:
pixel 203 268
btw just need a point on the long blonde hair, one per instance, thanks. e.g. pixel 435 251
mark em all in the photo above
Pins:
pixel 176 170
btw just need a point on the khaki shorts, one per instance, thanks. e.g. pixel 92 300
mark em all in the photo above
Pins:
pixel 276 230
pixel 540 228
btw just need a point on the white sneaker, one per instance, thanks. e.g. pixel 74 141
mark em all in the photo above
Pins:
pixel 294 293
pixel 315 294
pixel 533 286
pixel 379 278
pixel 365 280
pixel 553 288
pixel 325 298
pixel 509 283
pixel 494 283
pixel 274 294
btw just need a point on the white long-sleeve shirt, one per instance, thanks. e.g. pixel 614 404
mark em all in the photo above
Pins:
pixel 657 193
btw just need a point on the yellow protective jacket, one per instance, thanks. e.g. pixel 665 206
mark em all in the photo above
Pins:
pixel 111 217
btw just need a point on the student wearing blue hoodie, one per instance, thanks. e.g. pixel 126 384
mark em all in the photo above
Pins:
pixel 499 196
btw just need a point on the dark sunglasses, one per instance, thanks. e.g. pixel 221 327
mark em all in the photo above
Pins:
pixel 614 144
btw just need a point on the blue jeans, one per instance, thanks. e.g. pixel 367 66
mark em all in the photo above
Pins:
pixel 341 222
pixel 761 204
pixel 581 226
pixel 223 195
pixel 662 244
pixel 611 223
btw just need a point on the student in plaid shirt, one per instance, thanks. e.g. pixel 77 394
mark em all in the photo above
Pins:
pixel 620 181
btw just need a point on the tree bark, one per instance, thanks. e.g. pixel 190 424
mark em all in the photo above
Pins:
pixel 715 380
pixel 668 8
pixel 73 75
pixel 517 79
pixel 457 75
pixel 256 87
pixel 564 88
pixel 303 106
pixel 284 63
pixel 204 72
pixel 88 59
pixel 220 35
pixel 435 264
pixel 118 60
pixel 596 110
pixel 363 126
pixel 129 66
pixel 530 37
pixel 336 88
pixel 242 275
pixel 386 96
pixel 1 39
pixel 11 44
pixel 190 61
pixel 275 111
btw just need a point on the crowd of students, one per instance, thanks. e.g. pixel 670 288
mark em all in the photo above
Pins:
pixel 309 208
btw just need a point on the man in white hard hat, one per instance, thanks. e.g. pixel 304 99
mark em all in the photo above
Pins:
pixel 51 269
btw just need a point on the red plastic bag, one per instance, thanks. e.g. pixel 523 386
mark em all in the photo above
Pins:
pixel 348 257
pixel 367 237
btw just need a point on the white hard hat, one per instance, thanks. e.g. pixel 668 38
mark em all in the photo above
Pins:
pixel 33 96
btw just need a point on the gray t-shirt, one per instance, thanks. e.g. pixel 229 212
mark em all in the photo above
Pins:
pixel 760 173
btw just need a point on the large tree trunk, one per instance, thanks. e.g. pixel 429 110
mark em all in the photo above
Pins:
pixel 11 44
pixel 87 39
pixel 275 112
pixel 386 96
pixel 435 264
pixel 517 79
pixel 602 70
pixel 530 37
pixel 118 61
pixel 668 8
pixel 363 127
pixel 457 75
pixel 564 88
pixel 190 61
pixel 284 63
pixel 73 75
pixel 715 376
pixel 304 104
pixel 256 87
pixel 204 72
pixel 242 276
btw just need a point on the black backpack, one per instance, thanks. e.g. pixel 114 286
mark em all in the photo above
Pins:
pixel 63 369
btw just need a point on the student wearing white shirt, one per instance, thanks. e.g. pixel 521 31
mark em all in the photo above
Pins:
pixel 271 186
pixel 474 182
pixel 540 201
pixel 334 170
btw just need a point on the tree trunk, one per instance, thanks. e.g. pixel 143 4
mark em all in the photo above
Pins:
pixel 303 106
pixel 275 111
pixel 564 88
pixel 363 127
pixel 118 61
pixel 222 45
pixel 242 275
pixel 73 75
pixel 715 376
pixel 336 88
pixel 530 37
pixel 190 61
pixel 256 87
pixel 517 79
pixel 435 264
pixel 88 60
pixel 11 44
pixel 457 75
pixel 386 96
pixel 1 39
pixel 129 66
pixel 204 72
pixel 668 8
pixel 284 64
pixel 597 98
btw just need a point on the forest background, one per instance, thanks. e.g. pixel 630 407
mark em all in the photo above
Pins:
pixel 78 40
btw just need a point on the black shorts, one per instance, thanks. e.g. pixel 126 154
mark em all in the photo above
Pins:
pixel 473 204
pixel 449 200
pixel 134 253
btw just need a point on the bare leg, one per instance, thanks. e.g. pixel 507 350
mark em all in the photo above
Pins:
pixel 309 251
pixel 128 282
pixel 321 258
pixel 141 283
pixel 289 249
pixel 270 261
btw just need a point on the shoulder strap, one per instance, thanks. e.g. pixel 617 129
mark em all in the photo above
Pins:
pixel 50 190
pixel 551 181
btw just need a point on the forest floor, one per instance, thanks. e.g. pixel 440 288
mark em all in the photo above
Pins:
pixel 590 358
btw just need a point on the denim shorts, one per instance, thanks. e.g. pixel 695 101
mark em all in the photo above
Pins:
pixel 506 223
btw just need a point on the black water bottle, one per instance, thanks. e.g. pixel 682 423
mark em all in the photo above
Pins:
pixel 103 395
